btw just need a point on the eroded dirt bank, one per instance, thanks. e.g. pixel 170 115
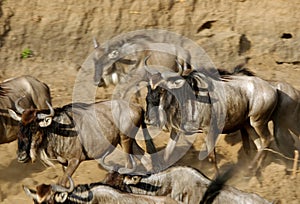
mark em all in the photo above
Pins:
pixel 264 34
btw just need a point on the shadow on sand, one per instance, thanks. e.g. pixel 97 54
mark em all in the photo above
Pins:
pixel 15 171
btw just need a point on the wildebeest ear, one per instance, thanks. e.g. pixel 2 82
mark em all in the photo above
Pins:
pixel 113 54
pixel 186 72
pixel 45 122
pixel 61 197
pixel 14 115
pixel 99 51
pixel 178 83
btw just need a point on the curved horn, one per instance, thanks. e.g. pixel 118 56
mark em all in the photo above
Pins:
pixel 126 170
pixel 180 68
pixel 19 108
pixel 30 193
pixel 102 163
pixel 51 109
pixel 43 116
pixel 120 170
pixel 96 45
pixel 14 115
pixel 61 189
pixel 151 71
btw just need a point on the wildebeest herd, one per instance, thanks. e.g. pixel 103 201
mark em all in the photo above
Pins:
pixel 181 99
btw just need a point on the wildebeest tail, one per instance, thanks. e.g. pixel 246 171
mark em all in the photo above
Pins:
pixel 216 185
pixel 240 69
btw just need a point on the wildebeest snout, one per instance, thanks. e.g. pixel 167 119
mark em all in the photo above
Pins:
pixel 154 116
pixel 151 116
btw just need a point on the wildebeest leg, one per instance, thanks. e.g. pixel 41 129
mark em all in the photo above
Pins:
pixel 212 157
pixel 284 140
pixel 126 143
pixel 146 159
pixel 143 156
pixel 174 136
pixel 209 145
pixel 72 166
pixel 214 154
pixel 258 143
pixel 211 137
pixel 265 136
pixel 151 149
pixel 254 137
pixel 245 140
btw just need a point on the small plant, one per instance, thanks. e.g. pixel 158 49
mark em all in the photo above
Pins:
pixel 26 53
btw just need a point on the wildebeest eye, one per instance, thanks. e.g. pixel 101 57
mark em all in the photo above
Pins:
pixel 135 178
pixel 175 84
pixel 114 54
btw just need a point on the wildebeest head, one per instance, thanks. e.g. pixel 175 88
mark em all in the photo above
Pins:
pixel 110 60
pixel 168 92
pixel 31 122
pixel 49 194
pixel 152 113
pixel 103 61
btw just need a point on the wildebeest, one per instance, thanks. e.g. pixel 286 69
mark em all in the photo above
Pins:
pixel 94 193
pixel 121 61
pixel 131 48
pixel 154 110
pixel 186 106
pixel 183 184
pixel 286 117
pixel 78 132
pixel 34 93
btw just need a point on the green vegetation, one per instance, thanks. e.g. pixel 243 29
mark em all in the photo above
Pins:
pixel 26 53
